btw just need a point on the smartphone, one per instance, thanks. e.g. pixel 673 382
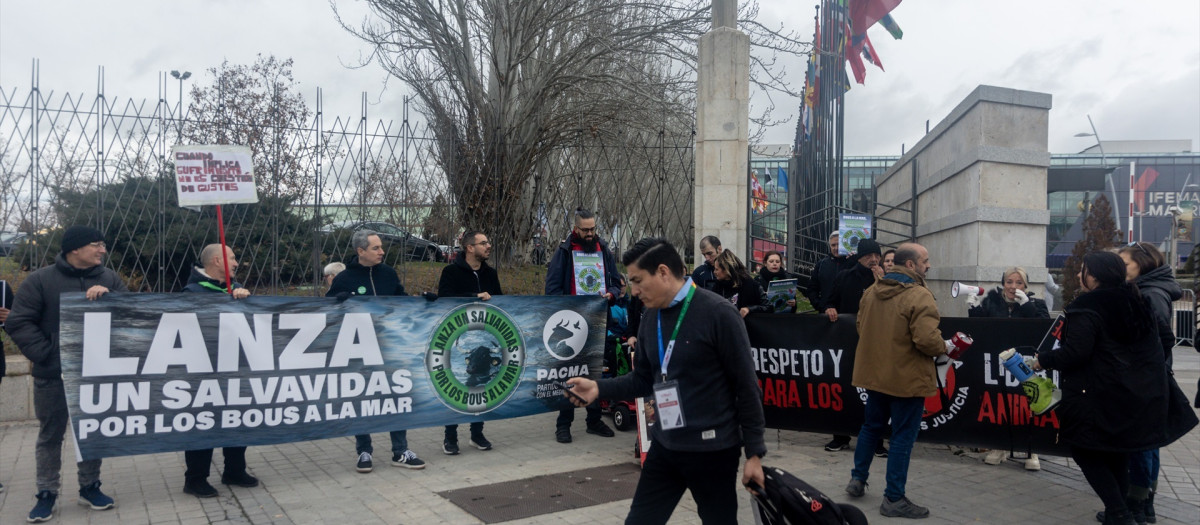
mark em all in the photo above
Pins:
pixel 567 388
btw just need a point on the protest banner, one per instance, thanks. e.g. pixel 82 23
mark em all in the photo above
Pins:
pixel 851 229
pixel 805 365
pixel 147 373
pixel 215 174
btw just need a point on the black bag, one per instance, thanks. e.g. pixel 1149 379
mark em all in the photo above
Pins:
pixel 788 500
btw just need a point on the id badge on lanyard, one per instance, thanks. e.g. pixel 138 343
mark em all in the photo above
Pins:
pixel 666 393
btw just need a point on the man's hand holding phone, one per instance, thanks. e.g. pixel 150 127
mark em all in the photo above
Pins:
pixel 580 390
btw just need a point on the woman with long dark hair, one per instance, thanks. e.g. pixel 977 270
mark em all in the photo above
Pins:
pixel 734 283
pixel 773 270
pixel 1117 395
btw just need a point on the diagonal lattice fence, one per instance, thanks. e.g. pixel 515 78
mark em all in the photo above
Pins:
pixel 104 161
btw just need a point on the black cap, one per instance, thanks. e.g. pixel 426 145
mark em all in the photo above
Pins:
pixel 77 237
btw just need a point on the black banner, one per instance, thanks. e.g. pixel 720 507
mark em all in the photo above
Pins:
pixel 805 366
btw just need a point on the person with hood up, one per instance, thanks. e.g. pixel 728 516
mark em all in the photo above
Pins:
pixel 1118 397
pixel 470 276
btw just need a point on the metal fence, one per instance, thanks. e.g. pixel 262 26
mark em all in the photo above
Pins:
pixel 102 160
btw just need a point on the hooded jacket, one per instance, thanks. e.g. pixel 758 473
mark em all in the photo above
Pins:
pixel 357 279
pixel 198 277
pixel 1117 394
pixel 898 336
pixel 994 305
pixel 459 280
pixel 33 323
pixel 1159 288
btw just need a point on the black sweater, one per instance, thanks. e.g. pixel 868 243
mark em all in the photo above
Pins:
pixel 711 362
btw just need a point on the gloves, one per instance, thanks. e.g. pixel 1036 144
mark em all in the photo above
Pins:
pixel 342 296
pixel 973 301
pixel 1021 297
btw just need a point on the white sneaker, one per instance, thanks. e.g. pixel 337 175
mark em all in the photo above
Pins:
pixel 995 457
pixel 1033 463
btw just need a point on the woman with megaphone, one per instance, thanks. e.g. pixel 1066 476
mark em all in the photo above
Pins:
pixel 1010 299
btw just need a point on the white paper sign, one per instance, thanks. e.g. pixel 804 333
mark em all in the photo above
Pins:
pixel 212 174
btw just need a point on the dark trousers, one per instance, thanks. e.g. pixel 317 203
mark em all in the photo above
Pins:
pixel 710 476
pixel 452 431
pixel 199 462
pixel 1107 473
pixel 567 415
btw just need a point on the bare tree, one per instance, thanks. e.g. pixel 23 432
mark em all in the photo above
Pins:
pixel 507 85
pixel 258 106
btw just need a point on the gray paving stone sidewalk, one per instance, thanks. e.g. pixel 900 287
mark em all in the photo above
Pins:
pixel 315 482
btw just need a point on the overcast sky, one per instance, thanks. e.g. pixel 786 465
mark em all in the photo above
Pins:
pixel 1134 66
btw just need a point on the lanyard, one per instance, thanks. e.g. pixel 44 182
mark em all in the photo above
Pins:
pixel 664 355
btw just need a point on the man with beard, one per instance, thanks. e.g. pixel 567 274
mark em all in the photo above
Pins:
pixel 33 326
pixel 368 275
pixel 210 277
pixel 583 265
pixel 470 276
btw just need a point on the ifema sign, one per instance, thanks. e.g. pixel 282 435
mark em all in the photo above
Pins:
pixel 148 373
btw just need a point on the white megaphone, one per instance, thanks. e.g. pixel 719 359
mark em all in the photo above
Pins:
pixel 960 288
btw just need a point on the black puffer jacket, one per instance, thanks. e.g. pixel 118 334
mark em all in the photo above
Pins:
pixel 357 279
pixel 1117 394
pixel 994 305
pixel 33 323
pixel 459 280
pixel 1159 288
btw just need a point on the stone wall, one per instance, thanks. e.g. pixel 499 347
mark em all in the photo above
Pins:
pixel 980 183
pixel 16 391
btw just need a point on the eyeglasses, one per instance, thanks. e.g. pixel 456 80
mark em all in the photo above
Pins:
pixel 588 230
pixel 97 244
pixel 482 243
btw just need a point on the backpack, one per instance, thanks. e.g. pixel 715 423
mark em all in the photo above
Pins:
pixel 788 500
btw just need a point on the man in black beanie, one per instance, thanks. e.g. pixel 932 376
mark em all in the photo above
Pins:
pixel 848 288
pixel 33 325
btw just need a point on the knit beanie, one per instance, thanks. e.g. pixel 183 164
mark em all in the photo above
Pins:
pixel 77 237
pixel 867 247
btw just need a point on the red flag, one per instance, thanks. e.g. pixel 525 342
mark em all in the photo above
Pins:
pixel 854 57
pixel 870 53
pixel 864 13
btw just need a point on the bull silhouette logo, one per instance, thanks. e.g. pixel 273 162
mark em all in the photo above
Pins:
pixel 565 334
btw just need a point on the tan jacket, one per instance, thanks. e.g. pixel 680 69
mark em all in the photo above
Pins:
pixel 898 337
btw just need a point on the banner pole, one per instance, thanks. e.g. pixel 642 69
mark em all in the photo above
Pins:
pixel 224 251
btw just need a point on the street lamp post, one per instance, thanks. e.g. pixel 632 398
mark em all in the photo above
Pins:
pixel 181 77
pixel 1108 179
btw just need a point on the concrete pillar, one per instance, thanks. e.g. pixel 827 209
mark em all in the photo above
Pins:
pixel 722 132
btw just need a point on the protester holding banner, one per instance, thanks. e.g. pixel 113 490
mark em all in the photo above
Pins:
pixel 708 403
pixel 1146 267
pixel 848 290
pixel 898 339
pixel 1118 397
pixel 211 277
pixel 773 270
pixel 735 284
pixel 33 326
pixel 469 276
pixel 710 248
pixel 820 283
pixel 1010 299
pixel 368 275
pixel 583 265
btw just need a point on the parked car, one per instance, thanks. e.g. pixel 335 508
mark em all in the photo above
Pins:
pixel 415 248
pixel 10 241
pixel 449 254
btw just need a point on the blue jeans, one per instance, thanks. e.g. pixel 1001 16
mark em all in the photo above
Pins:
pixel 905 413
pixel 362 443
pixel 1143 469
